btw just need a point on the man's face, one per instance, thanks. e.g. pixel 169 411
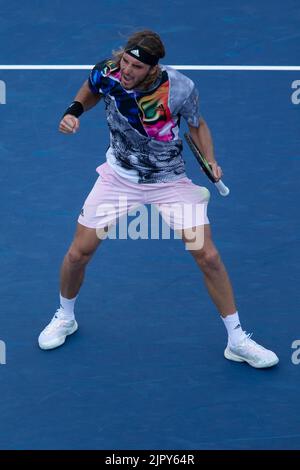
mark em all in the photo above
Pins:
pixel 133 72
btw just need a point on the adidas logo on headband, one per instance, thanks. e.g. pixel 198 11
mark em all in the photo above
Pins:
pixel 135 52
pixel 142 55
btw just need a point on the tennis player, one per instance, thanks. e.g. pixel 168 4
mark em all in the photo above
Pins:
pixel 144 102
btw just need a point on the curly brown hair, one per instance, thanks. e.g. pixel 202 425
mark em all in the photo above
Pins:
pixel 152 43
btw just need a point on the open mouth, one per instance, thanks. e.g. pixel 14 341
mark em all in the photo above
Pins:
pixel 126 78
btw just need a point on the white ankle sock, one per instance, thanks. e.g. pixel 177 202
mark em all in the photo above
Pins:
pixel 234 329
pixel 67 308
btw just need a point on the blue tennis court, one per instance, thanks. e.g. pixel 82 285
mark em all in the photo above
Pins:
pixel 146 368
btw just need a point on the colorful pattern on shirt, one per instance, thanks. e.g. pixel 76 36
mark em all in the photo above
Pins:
pixel 144 125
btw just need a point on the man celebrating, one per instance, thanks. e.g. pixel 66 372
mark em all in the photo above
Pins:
pixel 144 102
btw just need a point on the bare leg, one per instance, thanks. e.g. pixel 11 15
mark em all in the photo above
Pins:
pixel 79 254
pixel 214 272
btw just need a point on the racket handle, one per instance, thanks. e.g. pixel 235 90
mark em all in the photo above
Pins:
pixel 223 190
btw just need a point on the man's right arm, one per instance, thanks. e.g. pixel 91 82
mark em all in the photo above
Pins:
pixel 86 97
pixel 70 123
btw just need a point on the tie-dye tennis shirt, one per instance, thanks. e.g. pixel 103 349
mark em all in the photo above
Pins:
pixel 144 125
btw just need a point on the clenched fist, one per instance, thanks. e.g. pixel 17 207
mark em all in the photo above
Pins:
pixel 69 124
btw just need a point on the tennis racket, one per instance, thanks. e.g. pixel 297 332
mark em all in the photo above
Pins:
pixel 223 190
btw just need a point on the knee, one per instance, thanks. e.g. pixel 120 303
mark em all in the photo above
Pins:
pixel 77 257
pixel 208 260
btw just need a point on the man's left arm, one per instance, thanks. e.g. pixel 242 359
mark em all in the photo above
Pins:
pixel 202 138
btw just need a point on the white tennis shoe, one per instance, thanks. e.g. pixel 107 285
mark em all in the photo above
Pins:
pixel 56 331
pixel 249 351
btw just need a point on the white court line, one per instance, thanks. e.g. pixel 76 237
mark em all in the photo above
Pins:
pixel 178 67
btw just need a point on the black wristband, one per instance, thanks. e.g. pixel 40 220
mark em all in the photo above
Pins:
pixel 75 109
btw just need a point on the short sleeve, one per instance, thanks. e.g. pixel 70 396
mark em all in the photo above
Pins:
pixel 190 108
pixel 95 78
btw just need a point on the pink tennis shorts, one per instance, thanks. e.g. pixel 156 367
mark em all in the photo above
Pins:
pixel 181 203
